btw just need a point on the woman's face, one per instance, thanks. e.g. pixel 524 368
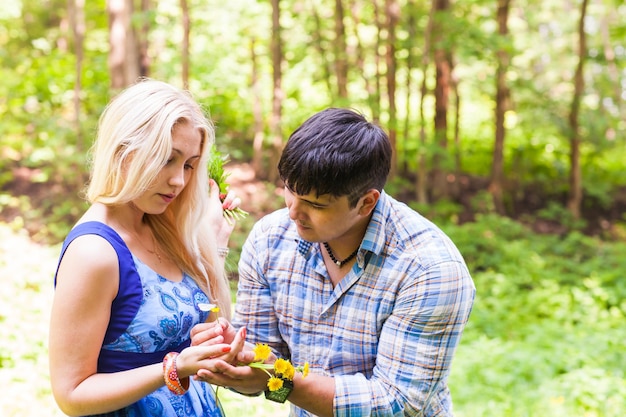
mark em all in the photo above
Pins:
pixel 174 176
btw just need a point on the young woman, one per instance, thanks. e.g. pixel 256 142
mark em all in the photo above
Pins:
pixel 136 268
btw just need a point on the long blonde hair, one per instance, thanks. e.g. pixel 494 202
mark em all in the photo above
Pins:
pixel 133 144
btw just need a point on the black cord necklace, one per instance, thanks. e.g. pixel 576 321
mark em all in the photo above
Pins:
pixel 337 261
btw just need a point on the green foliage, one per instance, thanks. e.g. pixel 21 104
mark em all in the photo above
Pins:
pixel 547 327
pixel 445 211
pixel 557 213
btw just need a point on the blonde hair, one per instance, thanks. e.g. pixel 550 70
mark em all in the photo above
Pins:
pixel 133 144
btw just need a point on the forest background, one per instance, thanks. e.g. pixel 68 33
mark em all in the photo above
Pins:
pixel 509 128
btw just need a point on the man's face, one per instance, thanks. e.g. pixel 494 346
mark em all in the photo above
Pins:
pixel 322 218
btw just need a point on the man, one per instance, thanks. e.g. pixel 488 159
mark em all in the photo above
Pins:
pixel 371 294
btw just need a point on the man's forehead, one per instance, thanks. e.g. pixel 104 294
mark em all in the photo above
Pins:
pixel 314 196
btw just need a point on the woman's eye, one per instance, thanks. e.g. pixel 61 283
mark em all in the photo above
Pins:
pixel 189 166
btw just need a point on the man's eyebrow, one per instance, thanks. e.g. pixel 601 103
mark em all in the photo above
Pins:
pixel 316 202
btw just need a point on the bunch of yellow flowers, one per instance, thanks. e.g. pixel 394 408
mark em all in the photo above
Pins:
pixel 283 369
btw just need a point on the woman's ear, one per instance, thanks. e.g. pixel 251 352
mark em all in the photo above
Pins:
pixel 368 202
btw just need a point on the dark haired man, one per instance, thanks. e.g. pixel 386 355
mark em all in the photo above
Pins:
pixel 371 294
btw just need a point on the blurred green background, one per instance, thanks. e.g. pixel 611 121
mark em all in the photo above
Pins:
pixel 509 128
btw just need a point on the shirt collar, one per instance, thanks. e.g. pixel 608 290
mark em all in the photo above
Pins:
pixel 374 239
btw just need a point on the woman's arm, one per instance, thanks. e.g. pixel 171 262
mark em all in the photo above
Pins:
pixel 87 283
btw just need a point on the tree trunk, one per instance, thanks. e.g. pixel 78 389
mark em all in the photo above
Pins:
pixel 184 8
pixel 372 94
pixel 124 60
pixel 144 32
pixel 502 103
pixel 404 167
pixel 341 54
pixel 421 185
pixel 454 82
pixel 276 119
pixel 76 10
pixel 318 44
pixel 442 91
pixel 576 189
pixel 257 111
pixel 392 10
pixel 378 76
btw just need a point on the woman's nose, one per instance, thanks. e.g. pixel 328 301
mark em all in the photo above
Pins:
pixel 178 178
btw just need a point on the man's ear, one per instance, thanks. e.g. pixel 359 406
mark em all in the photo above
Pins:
pixel 368 202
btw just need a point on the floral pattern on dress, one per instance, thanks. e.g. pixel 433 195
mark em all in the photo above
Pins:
pixel 166 315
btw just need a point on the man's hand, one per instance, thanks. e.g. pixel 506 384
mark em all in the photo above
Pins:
pixel 241 378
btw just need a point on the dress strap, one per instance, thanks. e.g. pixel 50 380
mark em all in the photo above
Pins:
pixel 129 295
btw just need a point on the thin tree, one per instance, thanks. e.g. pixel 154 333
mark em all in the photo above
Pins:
pixel 76 10
pixel 392 10
pixel 124 60
pixel 277 91
pixel 341 54
pixel 421 186
pixel 502 103
pixel 320 46
pixel 257 111
pixel 575 197
pixel 373 94
pixel 410 56
pixel 442 91
pixel 380 24
pixel 454 84
pixel 184 7
pixel 143 33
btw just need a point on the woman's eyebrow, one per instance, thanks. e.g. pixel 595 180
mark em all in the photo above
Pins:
pixel 179 152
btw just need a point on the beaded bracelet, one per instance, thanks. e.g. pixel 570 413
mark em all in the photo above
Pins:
pixel 170 375
pixel 223 252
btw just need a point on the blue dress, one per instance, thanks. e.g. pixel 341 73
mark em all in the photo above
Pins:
pixel 150 316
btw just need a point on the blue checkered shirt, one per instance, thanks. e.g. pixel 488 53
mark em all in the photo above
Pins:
pixel 386 332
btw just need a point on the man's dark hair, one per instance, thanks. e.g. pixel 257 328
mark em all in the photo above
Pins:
pixel 337 152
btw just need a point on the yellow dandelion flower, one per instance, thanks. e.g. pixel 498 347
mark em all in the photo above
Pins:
pixel 261 352
pixel 274 384
pixel 215 309
pixel 305 370
pixel 290 372
pixel 281 365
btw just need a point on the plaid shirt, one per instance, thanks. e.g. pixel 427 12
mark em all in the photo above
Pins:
pixel 387 332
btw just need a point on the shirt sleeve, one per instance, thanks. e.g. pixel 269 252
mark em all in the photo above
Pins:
pixel 415 349
pixel 255 307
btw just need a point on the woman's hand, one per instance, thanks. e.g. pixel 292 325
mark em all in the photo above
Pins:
pixel 222 226
pixel 214 332
pixel 230 201
pixel 196 358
